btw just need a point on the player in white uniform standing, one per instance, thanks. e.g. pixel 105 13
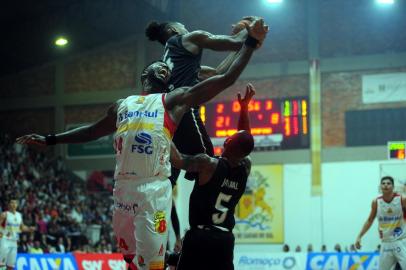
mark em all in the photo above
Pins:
pixel 11 224
pixel 144 126
pixel 390 208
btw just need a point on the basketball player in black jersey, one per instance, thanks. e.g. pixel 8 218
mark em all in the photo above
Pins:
pixel 209 244
pixel 183 52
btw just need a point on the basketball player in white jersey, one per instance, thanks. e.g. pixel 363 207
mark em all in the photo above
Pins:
pixel 390 209
pixel 11 225
pixel 143 127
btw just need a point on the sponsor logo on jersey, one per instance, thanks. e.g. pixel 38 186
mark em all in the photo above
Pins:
pixel 143 143
pixel 230 184
pixel 137 114
pixel 397 232
pixel 140 100
pixel 156 265
pixel 160 222
pixel 141 261
pixel 127 207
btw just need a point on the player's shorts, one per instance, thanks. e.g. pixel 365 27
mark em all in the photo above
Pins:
pixel 8 252
pixel 198 141
pixel 142 210
pixel 392 252
pixel 207 248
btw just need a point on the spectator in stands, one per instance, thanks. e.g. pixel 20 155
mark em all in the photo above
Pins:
pixel 286 248
pixel 36 249
pixel 337 248
pixel 60 246
pixel 309 248
pixel 323 248
pixel 298 248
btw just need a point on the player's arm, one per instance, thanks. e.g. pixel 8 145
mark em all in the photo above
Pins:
pixel 197 40
pixel 196 163
pixel 185 98
pixel 367 223
pixel 102 127
pixel 25 228
pixel 207 72
pixel 244 119
pixel 2 217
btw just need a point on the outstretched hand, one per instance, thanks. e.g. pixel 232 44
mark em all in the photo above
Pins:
pixel 32 139
pixel 257 29
pixel 249 93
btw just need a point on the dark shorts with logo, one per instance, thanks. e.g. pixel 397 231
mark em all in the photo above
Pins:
pixel 191 138
pixel 207 249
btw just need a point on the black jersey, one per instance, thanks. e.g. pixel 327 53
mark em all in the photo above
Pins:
pixel 214 203
pixel 190 137
pixel 185 66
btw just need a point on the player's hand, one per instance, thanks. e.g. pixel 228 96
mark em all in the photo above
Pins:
pixel 178 245
pixel 258 29
pixel 32 139
pixel 249 93
pixel 358 243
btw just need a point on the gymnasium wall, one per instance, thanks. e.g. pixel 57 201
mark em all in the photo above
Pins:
pixel 348 189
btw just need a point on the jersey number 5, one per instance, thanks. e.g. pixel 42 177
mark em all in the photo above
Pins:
pixel 219 218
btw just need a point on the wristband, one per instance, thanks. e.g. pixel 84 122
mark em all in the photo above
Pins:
pixel 251 42
pixel 50 139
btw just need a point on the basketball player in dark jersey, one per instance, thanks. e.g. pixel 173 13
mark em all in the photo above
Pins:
pixel 209 244
pixel 183 52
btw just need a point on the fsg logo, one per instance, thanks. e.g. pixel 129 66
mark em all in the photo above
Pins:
pixel 143 143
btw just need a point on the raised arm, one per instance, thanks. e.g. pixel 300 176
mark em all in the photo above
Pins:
pixel 103 127
pixel 244 120
pixel 206 90
pixel 367 224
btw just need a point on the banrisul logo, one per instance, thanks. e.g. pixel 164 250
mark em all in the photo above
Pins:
pixel 138 114
pixel 143 143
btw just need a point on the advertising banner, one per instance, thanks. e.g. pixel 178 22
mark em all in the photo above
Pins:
pixel 259 214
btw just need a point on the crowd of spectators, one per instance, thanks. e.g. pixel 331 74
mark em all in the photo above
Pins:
pixel 56 202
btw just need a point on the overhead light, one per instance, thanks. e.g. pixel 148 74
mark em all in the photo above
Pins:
pixel 385 2
pixel 273 1
pixel 61 42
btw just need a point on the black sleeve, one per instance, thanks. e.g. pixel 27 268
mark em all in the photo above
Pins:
pixel 175 220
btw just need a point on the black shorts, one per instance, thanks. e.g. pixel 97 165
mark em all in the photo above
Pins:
pixel 207 249
pixel 191 138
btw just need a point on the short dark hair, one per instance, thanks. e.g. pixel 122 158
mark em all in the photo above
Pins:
pixel 388 178
pixel 157 31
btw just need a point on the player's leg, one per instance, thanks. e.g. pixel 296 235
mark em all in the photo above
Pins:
pixel 123 227
pixel 151 232
pixel 11 257
pixel 400 252
pixel 386 257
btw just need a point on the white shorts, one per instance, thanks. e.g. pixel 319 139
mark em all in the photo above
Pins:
pixel 8 252
pixel 142 210
pixel 392 252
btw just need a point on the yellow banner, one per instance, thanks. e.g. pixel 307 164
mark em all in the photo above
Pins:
pixel 259 214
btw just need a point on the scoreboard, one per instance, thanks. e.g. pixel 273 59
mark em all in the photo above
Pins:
pixel 275 123
pixel 396 150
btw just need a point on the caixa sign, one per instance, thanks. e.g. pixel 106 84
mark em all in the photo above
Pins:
pixel 342 261
pixel 45 262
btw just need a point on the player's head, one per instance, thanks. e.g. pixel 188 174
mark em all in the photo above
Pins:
pixel 13 204
pixel 387 184
pixel 163 31
pixel 155 77
pixel 239 145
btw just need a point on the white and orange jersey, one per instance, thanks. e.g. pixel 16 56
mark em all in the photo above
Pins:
pixel 143 138
pixel 391 219
pixel 11 226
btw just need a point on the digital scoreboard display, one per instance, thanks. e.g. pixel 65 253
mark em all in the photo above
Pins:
pixel 275 123
pixel 396 150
